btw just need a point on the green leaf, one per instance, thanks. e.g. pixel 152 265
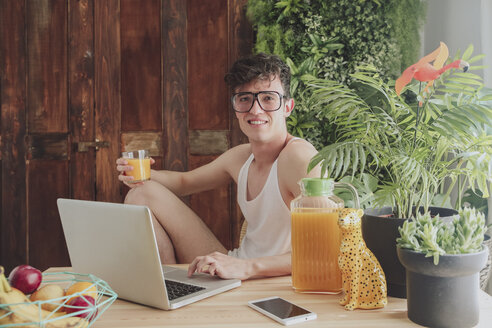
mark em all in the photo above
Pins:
pixel 355 159
pixel 477 68
pixel 476 58
pixel 468 52
pixel 362 158
pixel 346 163
pixel 465 80
pixel 486 98
pixel 339 164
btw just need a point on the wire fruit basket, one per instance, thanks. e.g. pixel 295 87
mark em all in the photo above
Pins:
pixel 16 315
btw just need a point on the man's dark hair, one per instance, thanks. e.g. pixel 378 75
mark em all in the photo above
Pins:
pixel 260 66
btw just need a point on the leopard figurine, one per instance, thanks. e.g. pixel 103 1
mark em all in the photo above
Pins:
pixel 364 282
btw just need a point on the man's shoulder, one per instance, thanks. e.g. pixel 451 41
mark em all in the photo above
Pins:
pixel 238 153
pixel 293 162
pixel 297 150
pixel 295 157
pixel 244 149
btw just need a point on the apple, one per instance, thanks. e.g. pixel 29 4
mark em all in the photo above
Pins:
pixel 80 303
pixel 25 278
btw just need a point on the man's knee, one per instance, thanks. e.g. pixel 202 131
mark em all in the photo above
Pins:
pixel 143 194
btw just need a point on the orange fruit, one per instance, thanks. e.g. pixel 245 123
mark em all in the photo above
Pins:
pixel 81 288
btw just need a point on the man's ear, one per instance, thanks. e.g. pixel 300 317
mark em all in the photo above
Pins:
pixel 289 106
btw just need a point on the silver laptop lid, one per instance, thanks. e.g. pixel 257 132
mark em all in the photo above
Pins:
pixel 116 243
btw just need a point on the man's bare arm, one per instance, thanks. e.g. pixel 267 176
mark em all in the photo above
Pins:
pixel 228 267
pixel 207 177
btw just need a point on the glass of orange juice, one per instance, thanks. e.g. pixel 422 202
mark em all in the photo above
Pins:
pixel 140 161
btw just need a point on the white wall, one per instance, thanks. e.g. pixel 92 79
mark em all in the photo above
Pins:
pixel 459 23
pixel 486 19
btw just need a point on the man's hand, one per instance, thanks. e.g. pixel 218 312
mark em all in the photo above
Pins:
pixel 228 267
pixel 122 166
pixel 224 266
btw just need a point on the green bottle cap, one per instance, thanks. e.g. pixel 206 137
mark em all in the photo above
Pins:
pixel 317 186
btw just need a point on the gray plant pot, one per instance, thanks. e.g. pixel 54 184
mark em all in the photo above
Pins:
pixel 443 295
pixel 380 231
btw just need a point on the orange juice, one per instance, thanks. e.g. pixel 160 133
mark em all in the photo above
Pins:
pixel 141 169
pixel 315 248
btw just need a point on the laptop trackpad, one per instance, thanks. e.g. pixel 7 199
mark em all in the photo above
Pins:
pixel 199 279
pixel 167 268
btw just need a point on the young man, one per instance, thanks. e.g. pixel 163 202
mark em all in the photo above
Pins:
pixel 266 170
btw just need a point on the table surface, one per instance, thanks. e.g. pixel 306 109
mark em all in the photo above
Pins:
pixel 231 309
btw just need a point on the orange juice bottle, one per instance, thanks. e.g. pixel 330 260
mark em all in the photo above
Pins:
pixel 316 237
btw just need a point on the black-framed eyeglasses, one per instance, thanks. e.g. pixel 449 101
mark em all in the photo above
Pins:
pixel 269 101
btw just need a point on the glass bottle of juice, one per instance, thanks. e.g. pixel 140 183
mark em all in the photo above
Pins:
pixel 316 236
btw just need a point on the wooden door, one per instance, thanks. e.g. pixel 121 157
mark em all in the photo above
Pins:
pixel 83 80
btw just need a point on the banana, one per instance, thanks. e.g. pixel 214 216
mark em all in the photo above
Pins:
pixel 21 310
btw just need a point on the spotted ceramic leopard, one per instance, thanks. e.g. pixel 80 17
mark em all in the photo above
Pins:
pixel 364 283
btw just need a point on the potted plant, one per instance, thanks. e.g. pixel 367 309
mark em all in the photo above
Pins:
pixel 443 260
pixel 418 145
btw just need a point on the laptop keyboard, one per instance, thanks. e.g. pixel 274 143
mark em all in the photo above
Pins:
pixel 178 289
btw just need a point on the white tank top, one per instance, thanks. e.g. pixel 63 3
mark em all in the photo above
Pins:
pixel 268 217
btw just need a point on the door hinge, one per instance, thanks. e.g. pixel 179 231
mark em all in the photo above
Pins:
pixel 84 146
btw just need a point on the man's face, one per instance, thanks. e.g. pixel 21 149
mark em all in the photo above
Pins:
pixel 257 124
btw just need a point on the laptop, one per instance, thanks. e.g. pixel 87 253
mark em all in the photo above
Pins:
pixel 116 242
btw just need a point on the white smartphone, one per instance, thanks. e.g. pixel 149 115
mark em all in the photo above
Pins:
pixel 281 310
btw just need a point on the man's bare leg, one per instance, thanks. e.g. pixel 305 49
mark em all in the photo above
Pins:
pixel 182 232
pixel 164 244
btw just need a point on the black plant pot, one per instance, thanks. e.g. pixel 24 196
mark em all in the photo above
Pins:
pixel 443 295
pixel 380 232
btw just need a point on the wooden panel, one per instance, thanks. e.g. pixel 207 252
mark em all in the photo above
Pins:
pixel 175 105
pixel 158 163
pixel 81 102
pixel 13 231
pixel 207 44
pixel 140 65
pixel 1 195
pixel 241 38
pixel 142 140
pixel 46 240
pixel 47 65
pixel 72 48
pixel 213 206
pixel 51 146
pixel 240 45
pixel 241 32
pixel 107 96
pixel 208 142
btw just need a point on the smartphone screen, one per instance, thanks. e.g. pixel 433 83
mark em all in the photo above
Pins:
pixel 280 308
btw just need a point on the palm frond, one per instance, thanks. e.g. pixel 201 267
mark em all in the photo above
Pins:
pixel 377 131
pixel 339 158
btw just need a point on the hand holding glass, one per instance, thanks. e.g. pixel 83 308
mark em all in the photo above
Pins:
pixel 140 161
